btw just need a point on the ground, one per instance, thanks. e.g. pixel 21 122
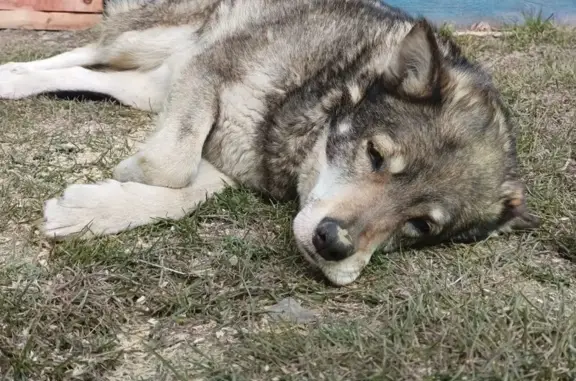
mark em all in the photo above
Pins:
pixel 188 300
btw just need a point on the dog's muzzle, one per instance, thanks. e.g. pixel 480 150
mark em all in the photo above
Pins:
pixel 331 241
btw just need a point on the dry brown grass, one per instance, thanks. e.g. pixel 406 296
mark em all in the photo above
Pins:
pixel 187 300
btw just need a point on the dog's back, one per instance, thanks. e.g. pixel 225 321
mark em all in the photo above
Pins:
pixel 140 34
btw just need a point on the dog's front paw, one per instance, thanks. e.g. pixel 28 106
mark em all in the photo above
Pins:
pixel 16 67
pixel 87 210
pixel 14 86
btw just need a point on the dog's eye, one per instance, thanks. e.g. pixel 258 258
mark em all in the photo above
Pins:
pixel 375 157
pixel 421 225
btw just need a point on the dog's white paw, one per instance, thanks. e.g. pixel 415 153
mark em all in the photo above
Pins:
pixel 15 86
pixel 91 209
pixel 16 67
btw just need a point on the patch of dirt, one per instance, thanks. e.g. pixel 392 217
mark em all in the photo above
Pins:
pixel 45 40
pixel 149 348
pixel 14 249
pixel 46 146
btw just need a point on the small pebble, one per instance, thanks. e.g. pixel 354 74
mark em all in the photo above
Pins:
pixel 290 309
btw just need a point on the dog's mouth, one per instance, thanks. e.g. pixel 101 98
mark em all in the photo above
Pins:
pixel 339 271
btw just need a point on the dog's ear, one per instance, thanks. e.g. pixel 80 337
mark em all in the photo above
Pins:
pixel 417 67
pixel 515 215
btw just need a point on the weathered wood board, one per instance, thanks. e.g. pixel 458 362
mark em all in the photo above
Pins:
pixel 85 6
pixel 50 14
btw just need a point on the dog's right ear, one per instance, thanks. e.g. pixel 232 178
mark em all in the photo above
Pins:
pixel 417 67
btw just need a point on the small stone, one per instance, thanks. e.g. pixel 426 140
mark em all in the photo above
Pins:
pixel 233 260
pixel 152 321
pixel 66 147
pixel 226 331
pixel 291 310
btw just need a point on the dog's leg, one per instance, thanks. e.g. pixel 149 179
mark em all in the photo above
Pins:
pixel 111 207
pixel 142 90
pixel 171 155
pixel 84 56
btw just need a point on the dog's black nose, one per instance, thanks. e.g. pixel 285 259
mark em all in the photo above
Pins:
pixel 331 241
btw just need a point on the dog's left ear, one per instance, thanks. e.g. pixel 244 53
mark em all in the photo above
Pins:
pixel 418 66
pixel 515 215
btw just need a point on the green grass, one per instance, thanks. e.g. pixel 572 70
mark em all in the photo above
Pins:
pixel 535 23
pixel 533 27
pixel 186 299
pixel 446 30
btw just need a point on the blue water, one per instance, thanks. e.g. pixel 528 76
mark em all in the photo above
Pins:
pixel 465 12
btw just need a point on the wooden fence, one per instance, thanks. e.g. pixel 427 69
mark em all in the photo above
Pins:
pixel 50 14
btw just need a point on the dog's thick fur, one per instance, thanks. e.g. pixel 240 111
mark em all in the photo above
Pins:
pixel 387 134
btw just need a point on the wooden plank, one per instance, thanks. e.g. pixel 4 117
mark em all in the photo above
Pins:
pixel 88 6
pixel 27 19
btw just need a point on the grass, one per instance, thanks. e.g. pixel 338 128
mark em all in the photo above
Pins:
pixel 183 300
pixel 534 26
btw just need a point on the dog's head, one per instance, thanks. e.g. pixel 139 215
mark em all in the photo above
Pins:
pixel 422 154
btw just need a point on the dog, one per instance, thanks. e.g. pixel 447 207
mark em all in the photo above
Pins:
pixel 383 130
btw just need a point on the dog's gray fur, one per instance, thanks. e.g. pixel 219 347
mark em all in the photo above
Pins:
pixel 387 134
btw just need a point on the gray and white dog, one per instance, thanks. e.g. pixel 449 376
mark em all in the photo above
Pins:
pixel 385 132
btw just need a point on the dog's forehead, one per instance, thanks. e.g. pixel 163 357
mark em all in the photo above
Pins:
pixel 436 128
pixel 457 156
pixel 456 146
